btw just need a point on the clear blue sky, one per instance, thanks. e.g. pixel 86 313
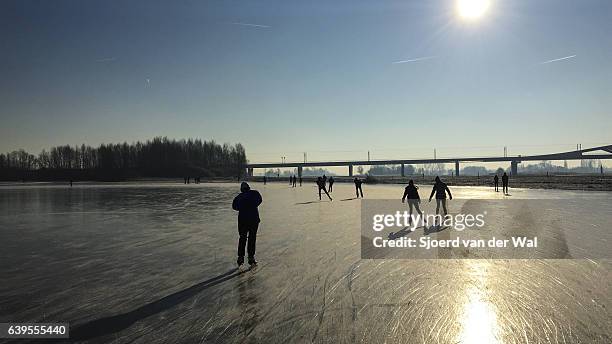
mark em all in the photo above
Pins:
pixel 283 77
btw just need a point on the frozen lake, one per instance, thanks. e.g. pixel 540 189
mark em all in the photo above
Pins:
pixel 155 263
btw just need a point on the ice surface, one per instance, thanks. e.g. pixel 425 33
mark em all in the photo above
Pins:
pixel 155 263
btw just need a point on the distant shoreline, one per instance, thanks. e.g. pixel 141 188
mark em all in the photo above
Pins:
pixel 591 182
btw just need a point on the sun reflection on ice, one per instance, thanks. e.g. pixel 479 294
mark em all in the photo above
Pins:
pixel 479 319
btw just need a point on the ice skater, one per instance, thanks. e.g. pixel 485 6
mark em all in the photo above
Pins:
pixel 246 204
pixel 505 183
pixel 294 181
pixel 440 189
pixel 321 185
pixel 265 180
pixel 358 189
pixel 411 192
pixel 496 182
pixel 331 183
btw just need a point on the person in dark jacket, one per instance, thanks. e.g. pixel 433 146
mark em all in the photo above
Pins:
pixel 505 183
pixel 331 183
pixel 246 204
pixel 440 189
pixel 412 193
pixel 321 185
pixel 496 182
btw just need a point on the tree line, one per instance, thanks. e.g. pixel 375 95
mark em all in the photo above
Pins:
pixel 159 157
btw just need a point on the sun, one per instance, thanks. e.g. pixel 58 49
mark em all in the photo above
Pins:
pixel 472 9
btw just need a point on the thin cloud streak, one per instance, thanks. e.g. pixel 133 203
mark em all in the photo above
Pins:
pixel 424 58
pixel 559 59
pixel 250 25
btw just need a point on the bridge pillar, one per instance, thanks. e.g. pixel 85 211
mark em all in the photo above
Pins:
pixel 457 168
pixel 403 171
pixel 299 171
pixel 350 170
pixel 514 168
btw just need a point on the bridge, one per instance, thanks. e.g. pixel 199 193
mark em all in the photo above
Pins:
pixel 514 161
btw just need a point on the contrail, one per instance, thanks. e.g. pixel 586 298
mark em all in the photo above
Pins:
pixel 559 59
pixel 415 59
pixel 250 25
pixel 107 59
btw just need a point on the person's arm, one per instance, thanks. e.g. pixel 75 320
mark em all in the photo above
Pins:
pixel 235 203
pixel 449 193
pixel 258 199
pixel 433 190
pixel 405 194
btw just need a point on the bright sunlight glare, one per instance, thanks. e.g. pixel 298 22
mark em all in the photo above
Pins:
pixel 472 9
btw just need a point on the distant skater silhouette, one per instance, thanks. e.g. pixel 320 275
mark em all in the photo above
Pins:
pixel 294 181
pixel 412 193
pixel 440 189
pixel 265 180
pixel 496 182
pixel 358 189
pixel 246 204
pixel 331 183
pixel 300 180
pixel 321 185
pixel 505 183
pixel 70 182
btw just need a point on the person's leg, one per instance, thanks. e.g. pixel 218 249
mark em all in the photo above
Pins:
pixel 252 241
pixel 242 240
pixel 357 191
pixel 361 191
pixel 416 205
pixel 319 194
pixel 444 206
pixel 410 211
pixel 438 201
pixel 410 206
pixel 327 194
pixel 420 217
